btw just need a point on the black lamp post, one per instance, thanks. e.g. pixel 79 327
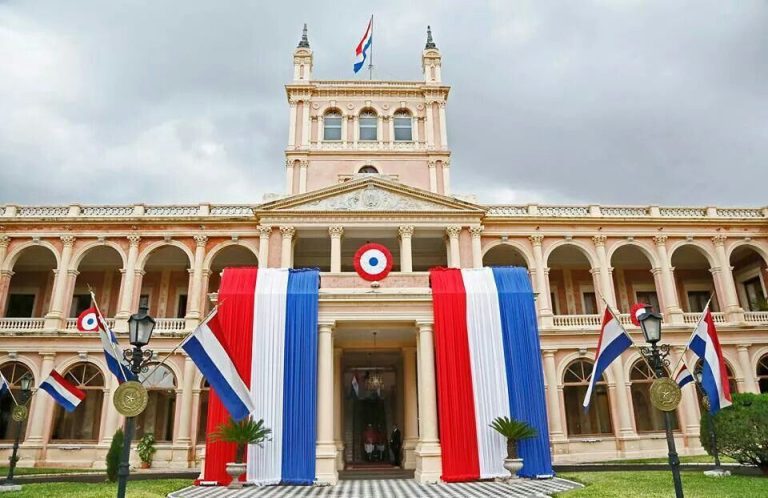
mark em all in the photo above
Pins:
pixel 650 324
pixel 712 434
pixel 25 382
pixel 140 327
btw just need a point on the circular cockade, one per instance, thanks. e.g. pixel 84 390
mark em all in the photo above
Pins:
pixel 131 398
pixel 665 394
pixel 19 413
pixel 373 262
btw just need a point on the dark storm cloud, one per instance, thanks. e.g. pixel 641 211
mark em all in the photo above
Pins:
pixel 606 101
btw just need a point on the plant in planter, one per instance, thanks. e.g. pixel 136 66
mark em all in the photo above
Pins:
pixel 514 431
pixel 146 449
pixel 242 433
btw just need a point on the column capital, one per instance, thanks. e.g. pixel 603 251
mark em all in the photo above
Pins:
pixel 68 240
pixel 599 240
pixel 134 239
pixel 264 231
pixel 336 231
pixel 655 271
pixel 742 347
pixel 549 352
pixel 715 270
pixel 425 326
pixel 139 272
pixel 304 164
pixel 6 273
pixel 326 327
pixel 432 164
pixel 476 231
pixel 453 231
pixel 287 231
pixel 73 273
pixel 4 241
pixel 719 239
pixel 446 163
pixel 200 240
pixel 660 240
pixel 536 239
pixel 406 231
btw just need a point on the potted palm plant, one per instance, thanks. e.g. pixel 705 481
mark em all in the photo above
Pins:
pixel 514 431
pixel 243 433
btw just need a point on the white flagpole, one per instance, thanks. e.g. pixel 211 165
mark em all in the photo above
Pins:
pixel 695 327
pixel 10 391
pixel 370 62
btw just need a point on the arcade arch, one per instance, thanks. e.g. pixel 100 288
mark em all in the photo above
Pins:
pixel 749 275
pixel 98 268
pixel 31 283
pixel 633 278
pixel 596 420
pixel 573 290
pixel 693 279
pixel 165 282
pixel 84 423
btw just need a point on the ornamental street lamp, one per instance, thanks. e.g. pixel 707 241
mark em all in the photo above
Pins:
pixel 712 434
pixel 665 393
pixel 130 398
pixel 19 415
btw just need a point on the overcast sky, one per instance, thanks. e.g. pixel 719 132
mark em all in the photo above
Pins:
pixel 612 101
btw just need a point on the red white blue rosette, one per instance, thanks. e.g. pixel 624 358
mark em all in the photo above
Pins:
pixel 373 262
pixel 88 321
pixel 638 310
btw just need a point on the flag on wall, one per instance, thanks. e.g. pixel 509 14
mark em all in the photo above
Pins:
pixel 63 391
pixel 268 323
pixel 613 341
pixel 714 375
pixel 361 52
pixel 488 361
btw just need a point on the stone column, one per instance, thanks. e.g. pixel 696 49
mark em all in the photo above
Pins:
pixel 429 117
pixel 113 417
pixel 688 404
pixel 286 255
pixel 303 165
pixel 542 282
pixel 428 453
pixel 626 430
pixel 446 177
pixel 733 311
pixel 453 232
pixel 54 318
pixel 5 286
pixel 390 120
pixel 326 446
pixel 432 176
pixel 42 415
pixel 411 418
pixel 292 124
pixel 264 233
pixel 673 313
pixel 185 419
pixel 195 298
pixel 305 123
pixel 406 251
pixel 344 120
pixel 750 380
pixel 477 249
pixel 336 232
pixel 5 241
pixel 289 176
pixel 443 127
pixel 606 283
pixel 127 285
pixel 553 400
pixel 338 399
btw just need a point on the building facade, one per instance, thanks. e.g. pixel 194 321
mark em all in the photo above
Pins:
pixel 369 161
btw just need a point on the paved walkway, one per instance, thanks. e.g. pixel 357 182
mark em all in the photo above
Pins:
pixel 389 488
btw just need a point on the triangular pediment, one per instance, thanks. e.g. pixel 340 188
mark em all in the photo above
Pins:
pixel 368 194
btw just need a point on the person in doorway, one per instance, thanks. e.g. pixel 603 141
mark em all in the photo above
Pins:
pixel 396 444
pixel 381 444
pixel 369 442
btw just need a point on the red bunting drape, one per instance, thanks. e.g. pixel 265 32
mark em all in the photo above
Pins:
pixel 236 317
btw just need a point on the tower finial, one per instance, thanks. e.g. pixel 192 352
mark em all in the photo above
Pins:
pixel 430 42
pixel 304 43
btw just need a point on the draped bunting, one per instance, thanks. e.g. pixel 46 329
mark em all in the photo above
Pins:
pixel 485 323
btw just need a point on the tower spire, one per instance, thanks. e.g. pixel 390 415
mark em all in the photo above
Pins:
pixel 304 43
pixel 430 42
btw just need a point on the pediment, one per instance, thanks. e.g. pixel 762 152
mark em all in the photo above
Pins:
pixel 371 194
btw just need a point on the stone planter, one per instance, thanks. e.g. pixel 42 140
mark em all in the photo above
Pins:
pixel 513 465
pixel 235 470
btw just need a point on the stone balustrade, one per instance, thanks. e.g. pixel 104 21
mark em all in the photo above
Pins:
pixel 634 212
pixel 127 212
pixel 22 324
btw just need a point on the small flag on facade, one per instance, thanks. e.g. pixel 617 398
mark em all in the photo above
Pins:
pixel 63 391
pixel 613 341
pixel 684 376
pixel 714 375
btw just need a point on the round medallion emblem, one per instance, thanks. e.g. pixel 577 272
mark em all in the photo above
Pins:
pixel 665 394
pixel 131 398
pixel 373 262
pixel 19 413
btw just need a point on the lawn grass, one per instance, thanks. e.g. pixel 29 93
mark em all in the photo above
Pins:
pixel 28 471
pixel 157 488
pixel 683 459
pixel 659 484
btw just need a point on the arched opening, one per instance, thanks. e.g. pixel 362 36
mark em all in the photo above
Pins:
pixel 165 285
pixel 368 170
pixel 749 269
pixel 572 288
pixel 648 418
pixel 504 255
pixel 31 287
pixel 762 373
pixel 100 270
pixel 596 420
pixel 693 279
pixel 633 279
pixel 368 125
pixel 332 125
pixel 13 371
pixel 84 423
pixel 202 418
pixel 403 125
pixel 158 417
pixel 229 257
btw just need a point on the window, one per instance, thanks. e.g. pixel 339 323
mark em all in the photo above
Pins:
pixel 80 303
pixel 84 422
pixel 368 125
pixel 13 372
pixel 332 125
pixel 160 413
pixel 697 300
pixel 403 126
pixel 649 297
pixel 202 418
pixel 753 288
pixel 590 303
pixel 762 373
pixel 371 170
pixel 181 308
pixel 20 306
pixel 648 418
pixel 596 420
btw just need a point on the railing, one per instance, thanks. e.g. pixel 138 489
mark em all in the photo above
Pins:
pixel 576 320
pixel 756 316
pixel 368 145
pixel 72 323
pixel 169 324
pixel 126 211
pixel 596 211
pixel 21 324
pixel 693 317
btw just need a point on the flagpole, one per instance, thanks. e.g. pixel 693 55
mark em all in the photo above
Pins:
pixel 370 62
pixel 109 338
pixel 10 391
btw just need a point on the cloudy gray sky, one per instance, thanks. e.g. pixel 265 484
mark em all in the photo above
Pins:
pixel 609 101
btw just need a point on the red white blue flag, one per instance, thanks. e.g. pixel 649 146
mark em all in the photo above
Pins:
pixel 613 341
pixel 63 391
pixel 361 52
pixel 714 375
pixel 684 376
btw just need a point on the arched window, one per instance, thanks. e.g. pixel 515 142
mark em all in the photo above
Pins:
pixel 202 418
pixel 762 373
pixel 160 413
pixel 368 123
pixel 731 380
pixel 332 125
pixel 596 420
pixel 648 418
pixel 403 126
pixel 84 422
pixel 13 372
pixel 368 169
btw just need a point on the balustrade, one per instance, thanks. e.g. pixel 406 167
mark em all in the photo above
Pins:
pixel 21 324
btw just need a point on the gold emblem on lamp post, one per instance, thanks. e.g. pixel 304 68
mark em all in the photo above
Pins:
pixel 19 413
pixel 131 398
pixel 665 394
